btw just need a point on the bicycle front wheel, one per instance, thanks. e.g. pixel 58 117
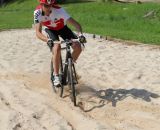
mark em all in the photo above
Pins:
pixel 71 81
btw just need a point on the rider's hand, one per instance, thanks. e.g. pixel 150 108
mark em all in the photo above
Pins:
pixel 50 44
pixel 82 39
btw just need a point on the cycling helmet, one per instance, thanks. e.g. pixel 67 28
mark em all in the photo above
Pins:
pixel 48 2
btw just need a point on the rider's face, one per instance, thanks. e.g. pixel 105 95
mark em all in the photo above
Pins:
pixel 46 8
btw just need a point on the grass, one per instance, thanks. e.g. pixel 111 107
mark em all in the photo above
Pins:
pixel 124 21
pixel 17 14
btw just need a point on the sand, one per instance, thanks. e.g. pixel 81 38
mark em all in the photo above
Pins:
pixel 119 88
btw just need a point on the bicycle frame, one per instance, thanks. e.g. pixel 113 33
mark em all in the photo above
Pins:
pixel 67 72
pixel 65 68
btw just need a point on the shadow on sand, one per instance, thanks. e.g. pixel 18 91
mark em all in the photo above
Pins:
pixel 116 95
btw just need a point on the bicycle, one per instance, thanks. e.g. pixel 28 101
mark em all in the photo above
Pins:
pixel 67 71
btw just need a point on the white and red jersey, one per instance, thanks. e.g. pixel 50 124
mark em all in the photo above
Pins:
pixel 55 21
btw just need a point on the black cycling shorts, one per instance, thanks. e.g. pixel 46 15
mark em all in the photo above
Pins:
pixel 64 33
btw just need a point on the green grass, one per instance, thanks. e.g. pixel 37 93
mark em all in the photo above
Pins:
pixel 17 14
pixel 124 21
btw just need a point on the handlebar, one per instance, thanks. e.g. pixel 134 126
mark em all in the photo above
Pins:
pixel 81 39
pixel 69 42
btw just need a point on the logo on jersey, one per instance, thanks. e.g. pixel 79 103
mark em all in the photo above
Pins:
pixel 36 15
pixel 56 24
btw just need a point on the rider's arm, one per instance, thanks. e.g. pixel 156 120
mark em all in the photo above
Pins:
pixel 39 34
pixel 75 24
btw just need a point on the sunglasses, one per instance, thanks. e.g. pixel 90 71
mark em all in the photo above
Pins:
pixel 47 6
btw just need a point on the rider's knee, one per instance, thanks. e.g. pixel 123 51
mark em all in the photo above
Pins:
pixel 57 47
pixel 77 47
pixel 80 49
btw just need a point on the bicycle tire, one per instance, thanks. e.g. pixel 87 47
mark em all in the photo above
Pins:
pixel 75 74
pixel 71 82
pixel 57 90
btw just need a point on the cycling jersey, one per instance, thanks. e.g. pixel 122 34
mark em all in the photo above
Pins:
pixel 55 21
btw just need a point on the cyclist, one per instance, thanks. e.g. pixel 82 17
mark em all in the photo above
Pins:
pixel 55 19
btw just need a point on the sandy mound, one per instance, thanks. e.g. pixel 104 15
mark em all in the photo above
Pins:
pixel 119 87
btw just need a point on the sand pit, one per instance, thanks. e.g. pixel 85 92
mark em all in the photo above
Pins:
pixel 119 87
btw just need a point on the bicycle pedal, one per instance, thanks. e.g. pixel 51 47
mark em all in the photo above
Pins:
pixel 57 86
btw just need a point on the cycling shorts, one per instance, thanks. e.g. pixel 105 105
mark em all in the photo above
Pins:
pixel 64 33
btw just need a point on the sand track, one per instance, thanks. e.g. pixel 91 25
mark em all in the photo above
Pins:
pixel 119 87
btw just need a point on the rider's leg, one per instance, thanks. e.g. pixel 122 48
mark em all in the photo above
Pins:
pixel 67 33
pixel 76 51
pixel 56 54
pixel 56 62
pixel 56 57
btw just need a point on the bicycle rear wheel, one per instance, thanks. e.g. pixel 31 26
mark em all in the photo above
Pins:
pixel 57 90
pixel 71 81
